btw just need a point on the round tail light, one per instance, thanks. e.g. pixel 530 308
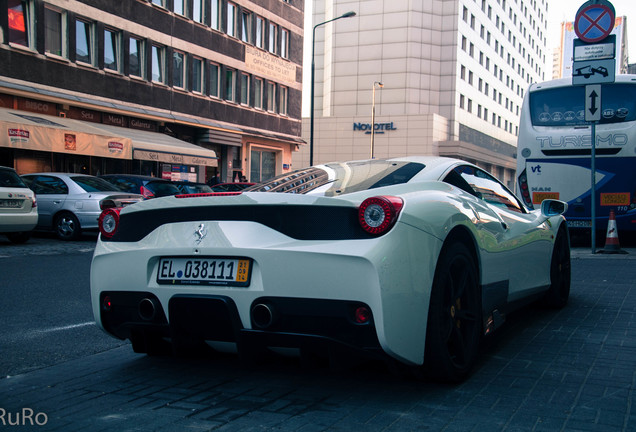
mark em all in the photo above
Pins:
pixel 109 222
pixel 378 214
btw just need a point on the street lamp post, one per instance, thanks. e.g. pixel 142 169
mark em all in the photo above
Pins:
pixel 380 85
pixel 313 75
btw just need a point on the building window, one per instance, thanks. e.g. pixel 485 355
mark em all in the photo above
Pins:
pixel 178 69
pixel 271 97
pixel 246 27
pixel 282 104
pixel 258 93
pixel 230 85
pixel 21 23
pixel 197 10
pixel 85 42
pixel 260 33
pixel 245 89
pixel 136 57
pixel 214 14
pixel 112 50
pixel 54 37
pixel 284 43
pixel 214 80
pixel 179 7
pixel 262 165
pixel 161 3
pixel 158 64
pixel 197 75
pixel 273 34
pixel 231 19
pixel 461 101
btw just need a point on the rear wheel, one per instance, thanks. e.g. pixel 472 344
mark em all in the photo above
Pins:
pixel 560 273
pixel 67 227
pixel 454 316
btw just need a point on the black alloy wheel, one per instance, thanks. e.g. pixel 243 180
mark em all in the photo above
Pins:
pixel 454 319
pixel 560 272
pixel 67 227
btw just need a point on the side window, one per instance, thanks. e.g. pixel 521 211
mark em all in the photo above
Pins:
pixel 489 189
pixel 46 185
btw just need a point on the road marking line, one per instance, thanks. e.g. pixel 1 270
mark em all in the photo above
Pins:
pixel 62 328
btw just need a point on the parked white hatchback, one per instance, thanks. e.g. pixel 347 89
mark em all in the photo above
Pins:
pixel 18 210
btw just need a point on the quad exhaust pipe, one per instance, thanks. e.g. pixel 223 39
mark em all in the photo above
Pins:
pixel 148 309
pixel 263 315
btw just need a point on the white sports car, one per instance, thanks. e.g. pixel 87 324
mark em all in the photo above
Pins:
pixel 413 258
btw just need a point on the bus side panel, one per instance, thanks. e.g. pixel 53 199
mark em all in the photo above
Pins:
pixel 569 179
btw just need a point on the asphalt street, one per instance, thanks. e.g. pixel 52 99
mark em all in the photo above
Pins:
pixel 544 370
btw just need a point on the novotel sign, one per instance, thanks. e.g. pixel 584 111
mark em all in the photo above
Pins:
pixel 379 127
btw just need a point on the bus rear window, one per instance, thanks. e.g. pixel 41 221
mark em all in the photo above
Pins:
pixel 565 106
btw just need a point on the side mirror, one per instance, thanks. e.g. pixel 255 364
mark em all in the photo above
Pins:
pixel 551 207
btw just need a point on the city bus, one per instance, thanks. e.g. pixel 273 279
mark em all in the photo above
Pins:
pixel 554 151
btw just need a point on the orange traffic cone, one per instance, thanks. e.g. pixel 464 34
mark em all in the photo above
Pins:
pixel 611 240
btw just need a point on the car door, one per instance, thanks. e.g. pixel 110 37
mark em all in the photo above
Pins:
pixel 523 240
pixel 51 193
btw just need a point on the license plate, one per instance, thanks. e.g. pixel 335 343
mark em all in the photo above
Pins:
pixel 204 271
pixel 5 203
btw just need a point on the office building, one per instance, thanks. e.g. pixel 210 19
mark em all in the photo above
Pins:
pixel 171 88
pixel 453 77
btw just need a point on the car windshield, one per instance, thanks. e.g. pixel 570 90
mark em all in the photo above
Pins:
pixel 94 184
pixel 9 178
pixel 341 178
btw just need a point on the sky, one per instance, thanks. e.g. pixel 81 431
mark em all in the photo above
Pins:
pixel 565 10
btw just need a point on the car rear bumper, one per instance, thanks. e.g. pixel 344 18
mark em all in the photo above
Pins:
pixel 18 222
pixel 391 275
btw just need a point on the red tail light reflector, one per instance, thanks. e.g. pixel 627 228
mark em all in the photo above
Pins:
pixel 362 315
pixel 147 193
pixel 378 214
pixel 109 222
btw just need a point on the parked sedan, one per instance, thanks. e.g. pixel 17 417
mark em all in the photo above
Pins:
pixel 18 208
pixel 413 259
pixel 71 203
pixel 148 186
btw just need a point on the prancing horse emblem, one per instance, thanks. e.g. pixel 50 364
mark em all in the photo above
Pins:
pixel 200 232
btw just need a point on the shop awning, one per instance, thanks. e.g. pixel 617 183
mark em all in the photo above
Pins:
pixel 20 129
pixel 163 148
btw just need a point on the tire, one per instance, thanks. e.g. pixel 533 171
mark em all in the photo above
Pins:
pixel 19 237
pixel 67 227
pixel 560 273
pixel 454 318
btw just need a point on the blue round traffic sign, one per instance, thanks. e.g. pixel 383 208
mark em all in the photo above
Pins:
pixel 594 21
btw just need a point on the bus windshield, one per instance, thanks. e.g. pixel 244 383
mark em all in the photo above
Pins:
pixel 565 106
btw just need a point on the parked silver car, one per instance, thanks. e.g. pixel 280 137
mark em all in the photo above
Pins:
pixel 71 203
pixel 18 209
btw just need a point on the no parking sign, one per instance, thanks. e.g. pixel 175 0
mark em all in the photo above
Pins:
pixel 594 21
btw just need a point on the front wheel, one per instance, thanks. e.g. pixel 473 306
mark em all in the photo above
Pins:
pixel 454 317
pixel 67 227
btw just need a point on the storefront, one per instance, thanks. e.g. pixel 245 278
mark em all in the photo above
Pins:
pixel 38 142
